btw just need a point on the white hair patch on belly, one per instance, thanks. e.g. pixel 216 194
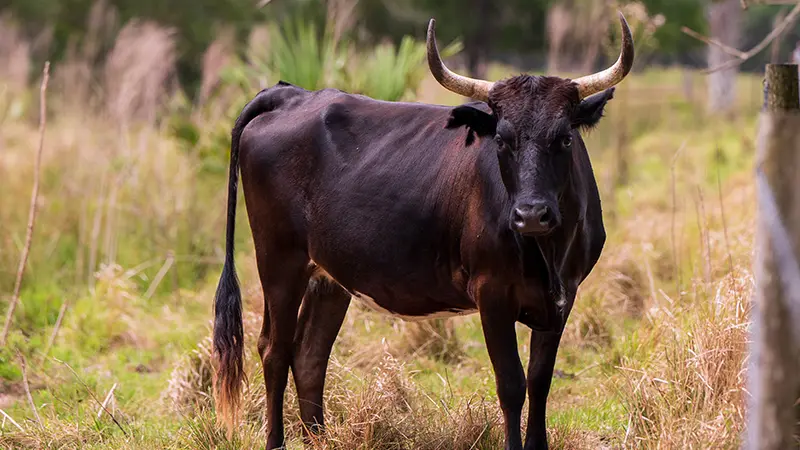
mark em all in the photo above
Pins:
pixel 370 303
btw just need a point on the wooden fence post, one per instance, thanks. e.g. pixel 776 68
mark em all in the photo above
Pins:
pixel 774 365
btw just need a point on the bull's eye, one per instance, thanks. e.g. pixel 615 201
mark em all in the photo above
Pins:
pixel 566 142
pixel 499 141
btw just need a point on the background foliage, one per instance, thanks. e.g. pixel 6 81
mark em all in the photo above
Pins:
pixel 512 31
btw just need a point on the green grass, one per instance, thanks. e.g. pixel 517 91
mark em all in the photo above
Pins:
pixel 621 339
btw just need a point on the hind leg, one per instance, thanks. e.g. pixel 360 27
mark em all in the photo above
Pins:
pixel 284 283
pixel 323 311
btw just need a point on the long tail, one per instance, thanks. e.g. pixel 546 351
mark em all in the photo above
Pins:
pixel 228 330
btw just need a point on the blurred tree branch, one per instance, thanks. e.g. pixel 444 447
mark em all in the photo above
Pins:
pixel 740 56
pixel 711 41
pixel 746 3
pixel 23 260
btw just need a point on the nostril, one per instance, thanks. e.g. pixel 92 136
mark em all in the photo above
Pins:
pixel 545 215
pixel 546 218
pixel 518 217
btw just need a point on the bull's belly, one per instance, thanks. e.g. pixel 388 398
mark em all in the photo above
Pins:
pixel 409 309
pixel 372 304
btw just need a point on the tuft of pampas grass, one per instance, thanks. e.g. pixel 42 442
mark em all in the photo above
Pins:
pixel 139 71
pixel 15 51
pixel 75 78
pixel 217 56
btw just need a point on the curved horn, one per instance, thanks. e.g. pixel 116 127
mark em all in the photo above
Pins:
pixel 468 87
pixel 592 84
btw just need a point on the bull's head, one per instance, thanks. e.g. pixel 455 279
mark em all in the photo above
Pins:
pixel 534 122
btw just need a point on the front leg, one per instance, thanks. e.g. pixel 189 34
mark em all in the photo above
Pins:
pixel 544 346
pixel 498 320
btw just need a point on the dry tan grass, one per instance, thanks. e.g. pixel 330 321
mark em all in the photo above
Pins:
pixel 683 379
pixel 139 71
pixel 435 338
pixel 101 187
pixel 381 408
pixel 692 394
pixel 617 289
pixel 57 435
pixel 106 177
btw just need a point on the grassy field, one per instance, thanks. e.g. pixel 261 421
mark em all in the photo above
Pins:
pixel 128 247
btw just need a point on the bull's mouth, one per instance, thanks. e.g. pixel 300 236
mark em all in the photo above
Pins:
pixel 535 234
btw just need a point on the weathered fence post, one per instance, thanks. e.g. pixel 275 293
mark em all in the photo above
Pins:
pixel 774 370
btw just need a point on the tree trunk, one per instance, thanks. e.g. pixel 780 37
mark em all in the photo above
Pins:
pixel 775 49
pixel 724 20
pixel 598 18
pixel 558 24
pixel 477 42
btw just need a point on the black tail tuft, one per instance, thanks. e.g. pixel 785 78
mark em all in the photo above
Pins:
pixel 228 347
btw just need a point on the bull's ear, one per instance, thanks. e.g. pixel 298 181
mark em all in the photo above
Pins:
pixel 477 121
pixel 590 110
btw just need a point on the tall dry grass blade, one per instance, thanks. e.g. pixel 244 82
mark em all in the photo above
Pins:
pixel 24 367
pixel 11 419
pixel 104 406
pixel 94 239
pixel 724 221
pixel 162 272
pixel 32 211
pixel 109 241
pixel 705 233
pixel 94 397
pixel 340 15
pixel 674 213
pixel 650 279
pixel 56 327
pixel 701 237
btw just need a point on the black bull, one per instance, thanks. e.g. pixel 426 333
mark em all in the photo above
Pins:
pixel 420 211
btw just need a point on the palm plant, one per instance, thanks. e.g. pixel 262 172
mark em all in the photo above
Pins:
pixel 392 73
pixel 302 56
